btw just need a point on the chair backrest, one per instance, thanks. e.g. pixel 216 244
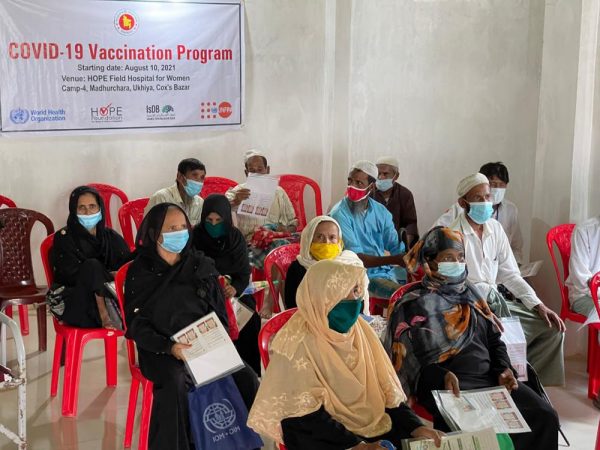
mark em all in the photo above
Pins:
pixel 45 249
pixel 294 185
pixel 399 293
pixel 279 258
pixel 132 210
pixel 16 268
pixel 107 192
pixel 5 201
pixel 120 288
pixel 270 328
pixel 594 285
pixel 561 236
pixel 216 185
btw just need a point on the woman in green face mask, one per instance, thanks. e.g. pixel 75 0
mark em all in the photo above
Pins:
pixel 216 236
pixel 330 384
pixel 321 239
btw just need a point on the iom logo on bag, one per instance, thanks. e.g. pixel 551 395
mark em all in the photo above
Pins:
pixel 219 416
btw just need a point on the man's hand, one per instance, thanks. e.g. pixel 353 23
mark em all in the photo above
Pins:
pixel 550 317
pixel 451 383
pixel 240 196
pixel 177 350
pixel 428 433
pixel 508 380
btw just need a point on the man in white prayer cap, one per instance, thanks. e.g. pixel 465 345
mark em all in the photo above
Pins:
pixel 490 262
pixel 505 211
pixel 398 200
pixel 368 230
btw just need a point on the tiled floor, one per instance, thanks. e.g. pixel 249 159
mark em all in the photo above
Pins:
pixel 100 423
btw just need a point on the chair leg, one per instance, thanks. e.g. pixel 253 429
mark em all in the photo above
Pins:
pixel 593 364
pixel 42 326
pixel 110 351
pixel 24 319
pixel 592 337
pixel 73 359
pixel 133 396
pixel 58 349
pixel 148 397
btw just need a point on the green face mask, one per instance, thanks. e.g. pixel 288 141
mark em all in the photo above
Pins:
pixel 216 230
pixel 344 315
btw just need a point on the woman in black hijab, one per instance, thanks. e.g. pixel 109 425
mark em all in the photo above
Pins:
pixel 169 285
pixel 216 236
pixel 84 256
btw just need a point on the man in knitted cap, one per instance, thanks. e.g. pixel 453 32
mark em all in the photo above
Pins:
pixel 505 211
pixel 397 199
pixel 490 262
pixel 368 231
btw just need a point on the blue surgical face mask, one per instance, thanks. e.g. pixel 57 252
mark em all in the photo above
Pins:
pixel 497 195
pixel 192 187
pixel 344 315
pixel 451 269
pixel 384 185
pixel 174 241
pixel 89 222
pixel 480 212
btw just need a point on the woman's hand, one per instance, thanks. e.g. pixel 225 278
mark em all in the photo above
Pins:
pixel 229 291
pixel 177 350
pixel 451 383
pixel 429 433
pixel 367 445
pixel 508 380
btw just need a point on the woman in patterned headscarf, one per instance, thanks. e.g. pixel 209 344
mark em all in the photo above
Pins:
pixel 442 335
pixel 330 384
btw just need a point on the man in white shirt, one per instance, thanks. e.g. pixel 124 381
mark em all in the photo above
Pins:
pixel 583 264
pixel 505 211
pixel 185 192
pixel 281 217
pixel 490 261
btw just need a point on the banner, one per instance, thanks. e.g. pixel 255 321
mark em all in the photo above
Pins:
pixel 74 65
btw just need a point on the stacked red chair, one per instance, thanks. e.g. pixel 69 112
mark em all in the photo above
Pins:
pixel 74 340
pixel 294 186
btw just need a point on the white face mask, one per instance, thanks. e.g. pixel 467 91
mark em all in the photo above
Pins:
pixel 497 195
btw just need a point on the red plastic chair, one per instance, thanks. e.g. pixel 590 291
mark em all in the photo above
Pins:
pixel 269 329
pixel 107 192
pixel 593 346
pixel 294 186
pixel 132 210
pixel 137 378
pixel 17 283
pixel 216 185
pixel 5 201
pixel 74 340
pixel 279 258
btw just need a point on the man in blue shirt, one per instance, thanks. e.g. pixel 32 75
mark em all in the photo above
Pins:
pixel 368 230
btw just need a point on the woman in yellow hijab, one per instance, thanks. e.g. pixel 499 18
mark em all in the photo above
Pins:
pixel 330 384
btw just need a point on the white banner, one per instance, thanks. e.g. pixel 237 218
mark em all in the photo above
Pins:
pixel 103 64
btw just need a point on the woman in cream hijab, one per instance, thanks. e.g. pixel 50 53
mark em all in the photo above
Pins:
pixel 321 239
pixel 330 384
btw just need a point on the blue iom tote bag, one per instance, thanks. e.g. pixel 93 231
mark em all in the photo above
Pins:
pixel 218 417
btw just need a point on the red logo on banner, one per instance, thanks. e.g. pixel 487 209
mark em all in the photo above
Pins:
pixel 126 22
pixel 225 109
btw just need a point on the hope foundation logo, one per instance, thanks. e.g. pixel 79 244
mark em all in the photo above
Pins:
pixel 126 22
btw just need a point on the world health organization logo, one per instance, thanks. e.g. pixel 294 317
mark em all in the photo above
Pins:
pixel 19 116
pixel 219 416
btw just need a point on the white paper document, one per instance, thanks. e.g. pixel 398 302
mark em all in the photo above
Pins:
pixel 516 345
pixel 531 269
pixel 481 408
pixel 212 354
pixel 242 313
pixel 476 440
pixel 262 193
